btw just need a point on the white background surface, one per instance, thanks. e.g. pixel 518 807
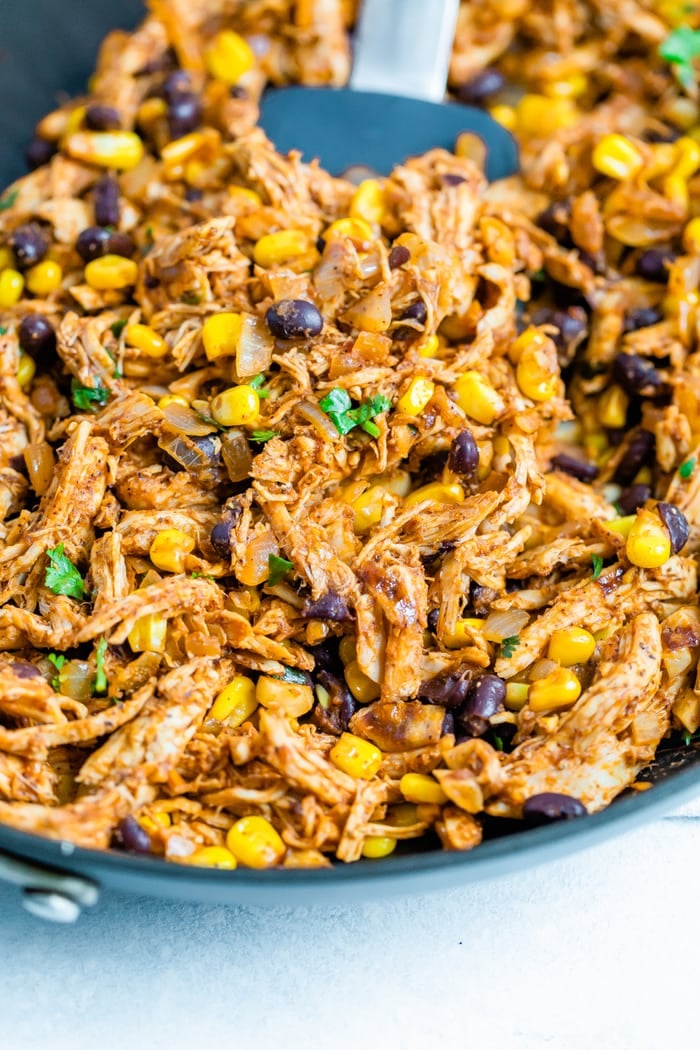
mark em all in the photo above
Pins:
pixel 596 952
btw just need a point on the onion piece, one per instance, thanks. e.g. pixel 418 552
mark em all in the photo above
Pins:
pixel 541 668
pixel 236 454
pixel 500 625
pixel 255 346
pixel 187 453
pixel 75 679
pixel 40 462
pixel 185 420
pixel 311 412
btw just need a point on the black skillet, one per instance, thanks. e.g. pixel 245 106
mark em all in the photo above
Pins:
pixel 48 48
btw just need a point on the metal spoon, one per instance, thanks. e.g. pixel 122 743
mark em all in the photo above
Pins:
pixel 394 105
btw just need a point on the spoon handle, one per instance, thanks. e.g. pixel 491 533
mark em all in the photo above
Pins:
pixel 403 47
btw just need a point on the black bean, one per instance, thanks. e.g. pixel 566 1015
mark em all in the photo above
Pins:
pixel 452 179
pixel 677 524
pixel 102 118
pixel 642 318
pixel 133 837
pixel 398 255
pixel 238 91
pixel 294 319
pixel 653 264
pixel 38 153
pixel 464 455
pixel 574 466
pixel 485 699
pixel 106 201
pixel 29 244
pixel 632 498
pixel 572 325
pixel 637 454
pixel 193 194
pixel 176 84
pixel 36 335
pixel 184 114
pixel 662 134
pixel 326 656
pixel 433 617
pixel 550 805
pixel 92 243
pixel 23 669
pixel 636 375
pixel 480 88
pixel 448 690
pixel 417 311
pixel 554 220
pixel 341 705
pixel 219 539
pixel 121 244
pixel 330 606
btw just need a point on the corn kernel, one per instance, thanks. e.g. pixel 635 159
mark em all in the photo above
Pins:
pixel 612 407
pixel 691 237
pixel 418 788
pixel 151 110
pixel 531 337
pixel 229 57
pixel 376 846
pixel 155 821
pixel 477 398
pixel 111 273
pixel 255 843
pixel 148 634
pixel 26 370
pixel 242 193
pixel 368 508
pixel 648 542
pixel 368 202
pixel 463 632
pixel 360 685
pixel 236 702
pixel 402 815
pixel 6 258
pixel 555 691
pixel 438 492
pixel 615 156
pixel 142 337
pixel 534 379
pixel 356 757
pixel 356 229
pixel 44 278
pixel 169 550
pixel 275 249
pixel 569 87
pixel 347 650
pixel 621 526
pixel 177 152
pixel 675 187
pixel 172 399
pixel 429 346
pixel 505 116
pixel 539 115
pixel 291 698
pixel 688 154
pixel 516 695
pixel 417 396
pixel 11 288
pixel 221 334
pixel 106 149
pixel 571 645
pixel 212 857
pixel 236 406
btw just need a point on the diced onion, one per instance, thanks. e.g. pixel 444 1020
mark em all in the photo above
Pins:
pixel 40 462
pixel 75 679
pixel 255 346
pixel 236 454
pixel 500 625
pixel 311 412
pixel 541 668
pixel 188 454
pixel 186 421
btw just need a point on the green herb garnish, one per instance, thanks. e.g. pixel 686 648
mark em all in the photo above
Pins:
pixel 61 576
pixel 100 683
pixel 279 567
pixel 3 330
pixel 58 660
pixel 117 328
pixel 687 468
pixel 338 407
pixel 9 199
pixel 680 48
pixel 597 565
pixel 509 645
pixel 290 674
pixel 89 398
pixel 190 299
pixel 257 383
pixel 263 435
pixel 497 742
pixel 201 576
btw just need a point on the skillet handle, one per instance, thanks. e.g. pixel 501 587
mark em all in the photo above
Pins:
pixel 403 47
pixel 47 893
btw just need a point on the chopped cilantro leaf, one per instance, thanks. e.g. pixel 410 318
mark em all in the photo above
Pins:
pixel 497 742
pixel 680 48
pixel 9 199
pixel 58 660
pixel 597 565
pixel 89 398
pixel 117 328
pixel 338 407
pixel 509 645
pixel 292 675
pixel 687 468
pixel 100 683
pixel 279 567
pixel 190 299
pixel 3 330
pixel 257 383
pixel 61 576
pixel 263 435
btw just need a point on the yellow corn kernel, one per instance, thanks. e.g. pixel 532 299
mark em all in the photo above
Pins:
pixel 356 757
pixel 539 115
pixel 347 650
pixel 691 237
pixel 242 193
pixel 151 110
pixel 236 701
pixel 469 146
pixel 44 278
pixel 402 815
pixel 437 492
pixel 516 695
pixel 463 632
pixel 418 788
pixel 648 543
pixel 376 846
pixel 151 822
pixel 236 406
pixel 6 258
pixel 417 396
pixel 569 87
pixel 221 334
pixel 615 156
pixel 106 149
pixel 535 381
pixel 26 370
pixel 688 154
pixel 360 685
pixel 612 407
pixel 212 857
pixel 676 189
pixel 531 337
pixel 172 399
pixel 148 634
pixel 142 337
pixel 429 347
pixel 229 57
pixel 368 202
pixel 255 843
pixel 275 249
pixel 169 550
pixel 621 526
pixel 571 645
pixel 177 152
pixel 291 698
pixel 368 508
pixel 11 288
pixel 505 116
pixel 477 398
pixel 111 272
pixel 356 229
pixel 555 691
pixel 75 120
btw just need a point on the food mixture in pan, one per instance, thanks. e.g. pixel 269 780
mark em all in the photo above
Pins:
pixel 339 514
